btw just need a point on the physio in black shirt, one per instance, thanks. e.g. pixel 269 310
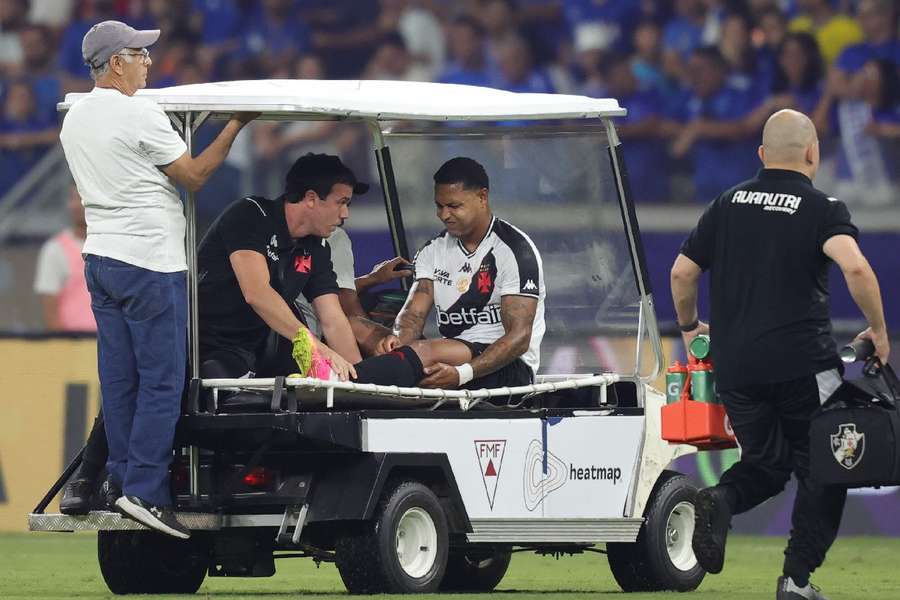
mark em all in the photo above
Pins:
pixel 767 244
pixel 260 255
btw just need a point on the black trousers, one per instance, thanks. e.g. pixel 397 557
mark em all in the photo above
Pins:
pixel 771 422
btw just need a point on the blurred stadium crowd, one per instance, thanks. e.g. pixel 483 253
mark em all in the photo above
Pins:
pixel 698 77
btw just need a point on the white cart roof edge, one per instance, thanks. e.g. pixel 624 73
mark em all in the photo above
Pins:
pixel 378 100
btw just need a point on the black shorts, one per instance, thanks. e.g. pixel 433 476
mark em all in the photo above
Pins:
pixel 514 374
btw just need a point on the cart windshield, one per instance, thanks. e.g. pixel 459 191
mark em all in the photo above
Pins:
pixel 558 187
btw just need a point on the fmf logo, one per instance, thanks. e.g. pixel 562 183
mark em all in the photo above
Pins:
pixel 490 459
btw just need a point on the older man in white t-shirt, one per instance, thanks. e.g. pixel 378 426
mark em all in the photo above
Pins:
pixel 126 159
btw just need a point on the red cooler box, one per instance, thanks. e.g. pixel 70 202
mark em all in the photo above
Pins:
pixel 700 424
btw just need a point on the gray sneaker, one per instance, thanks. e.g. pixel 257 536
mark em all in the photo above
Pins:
pixel 158 518
pixel 788 590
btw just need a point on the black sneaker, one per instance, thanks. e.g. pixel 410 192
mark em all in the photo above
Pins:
pixel 110 492
pixel 76 498
pixel 713 518
pixel 158 518
pixel 788 590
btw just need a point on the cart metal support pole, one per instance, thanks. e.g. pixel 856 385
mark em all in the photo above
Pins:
pixel 194 348
pixel 391 196
pixel 647 313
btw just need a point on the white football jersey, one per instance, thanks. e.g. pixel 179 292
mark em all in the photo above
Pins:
pixel 468 285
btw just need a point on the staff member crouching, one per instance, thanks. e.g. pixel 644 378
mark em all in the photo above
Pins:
pixel 768 244
pixel 260 255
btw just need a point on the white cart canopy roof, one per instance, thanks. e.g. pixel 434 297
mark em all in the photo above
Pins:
pixel 381 100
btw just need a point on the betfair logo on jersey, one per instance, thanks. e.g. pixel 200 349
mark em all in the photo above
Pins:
pixel 487 315
pixel 786 203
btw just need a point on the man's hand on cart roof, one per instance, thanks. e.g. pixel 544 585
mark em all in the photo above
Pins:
pixel 244 117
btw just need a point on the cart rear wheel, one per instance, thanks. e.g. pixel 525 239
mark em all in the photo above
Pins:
pixel 402 550
pixel 662 557
pixel 146 562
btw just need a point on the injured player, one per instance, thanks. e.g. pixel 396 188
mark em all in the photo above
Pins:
pixel 485 279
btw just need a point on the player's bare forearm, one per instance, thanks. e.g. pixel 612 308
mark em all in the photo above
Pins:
pixel 368 333
pixel 517 314
pixel 410 322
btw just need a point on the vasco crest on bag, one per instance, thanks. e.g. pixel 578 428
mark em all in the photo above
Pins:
pixel 848 445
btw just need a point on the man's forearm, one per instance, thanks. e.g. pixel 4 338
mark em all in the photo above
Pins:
pixel 275 312
pixel 364 282
pixel 367 333
pixel 864 288
pixel 506 349
pixel 339 336
pixel 409 325
pixel 684 296
pixel 212 158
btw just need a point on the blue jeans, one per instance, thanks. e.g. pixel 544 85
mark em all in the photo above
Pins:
pixel 141 344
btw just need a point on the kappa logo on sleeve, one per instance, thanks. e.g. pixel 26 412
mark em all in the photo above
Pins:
pixel 303 264
pixel 530 286
pixel 490 459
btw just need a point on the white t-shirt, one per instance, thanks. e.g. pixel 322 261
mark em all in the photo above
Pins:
pixel 52 269
pixel 342 263
pixel 114 145
pixel 468 286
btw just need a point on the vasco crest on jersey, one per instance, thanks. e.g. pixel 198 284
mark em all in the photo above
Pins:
pixel 484 278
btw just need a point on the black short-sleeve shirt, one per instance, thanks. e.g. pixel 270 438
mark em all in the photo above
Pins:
pixel 762 244
pixel 295 266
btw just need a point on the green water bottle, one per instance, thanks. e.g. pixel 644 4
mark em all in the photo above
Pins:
pixel 675 376
pixel 699 347
pixel 702 386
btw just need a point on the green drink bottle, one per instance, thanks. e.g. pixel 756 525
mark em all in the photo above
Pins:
pixel 675 377
pixel 699 347
pixel 702 386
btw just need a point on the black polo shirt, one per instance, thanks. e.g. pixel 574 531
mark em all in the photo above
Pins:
pixel 762 244
pixel 295 266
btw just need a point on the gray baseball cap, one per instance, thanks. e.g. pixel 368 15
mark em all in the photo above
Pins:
pixel 108 37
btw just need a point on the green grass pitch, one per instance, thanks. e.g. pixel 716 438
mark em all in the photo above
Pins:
pixel 56 565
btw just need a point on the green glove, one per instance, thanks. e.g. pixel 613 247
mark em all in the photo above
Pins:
pixel 303 349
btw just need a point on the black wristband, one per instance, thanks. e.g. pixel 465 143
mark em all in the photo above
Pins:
pixel 689 326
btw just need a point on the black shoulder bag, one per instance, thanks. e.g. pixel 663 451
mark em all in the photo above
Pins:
pixel 854 438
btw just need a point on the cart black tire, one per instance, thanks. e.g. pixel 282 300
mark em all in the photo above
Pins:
pixel 146 562
pixel 661 558
pixel 475 570
pixel 369 560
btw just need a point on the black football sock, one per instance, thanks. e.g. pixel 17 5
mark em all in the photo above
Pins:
pixel 401 367
pixel 797 570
